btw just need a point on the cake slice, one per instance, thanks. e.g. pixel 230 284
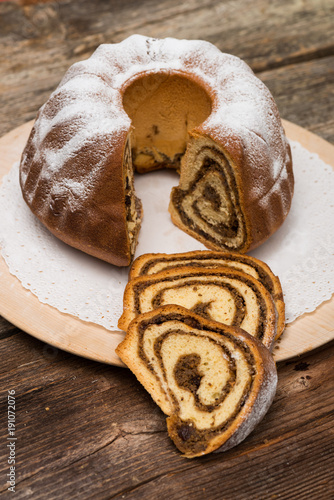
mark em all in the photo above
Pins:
pixel 151 263
pixel 221 294
pixel 215 382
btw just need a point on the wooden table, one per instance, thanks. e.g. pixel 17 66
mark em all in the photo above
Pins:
pixel 88 430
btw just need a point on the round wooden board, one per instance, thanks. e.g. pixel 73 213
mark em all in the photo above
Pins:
pixel 23 309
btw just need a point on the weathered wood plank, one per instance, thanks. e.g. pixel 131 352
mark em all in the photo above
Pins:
pixel 96 427
pixel 6 328
pixel 41 41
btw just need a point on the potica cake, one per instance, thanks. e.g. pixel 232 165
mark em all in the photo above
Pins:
pixel 144 104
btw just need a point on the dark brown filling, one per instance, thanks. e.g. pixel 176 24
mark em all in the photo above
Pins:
pixel 223 231
pixel 167 162
pixel 202 308
pixel 189 439
pixel 192 323
pixel 264 277
pixel 133 210
pixel 210 194
pixel 185 434
pixel 239 300
pixel 188 376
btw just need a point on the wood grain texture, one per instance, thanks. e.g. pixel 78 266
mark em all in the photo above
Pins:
pixel 39 42
pixel 87 430
pixel 116 444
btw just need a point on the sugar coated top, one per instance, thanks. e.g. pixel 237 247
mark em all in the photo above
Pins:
pixel 87 106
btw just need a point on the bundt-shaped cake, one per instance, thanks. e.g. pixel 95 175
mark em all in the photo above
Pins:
pixel 221 294
pixel 215 382
pixel 151 263
pixel 145 104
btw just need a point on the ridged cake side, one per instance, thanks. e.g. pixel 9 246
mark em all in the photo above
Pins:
pixel 73 174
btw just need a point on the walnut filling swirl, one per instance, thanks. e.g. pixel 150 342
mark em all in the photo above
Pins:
pixel 207 381
pixel 151 264
pixel 210 205
pixel 205 307
pixel 215 382
pixel 205 259
pixel 228 300
pixel 132 203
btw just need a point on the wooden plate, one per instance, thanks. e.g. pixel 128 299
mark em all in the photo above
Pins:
pixel 92 341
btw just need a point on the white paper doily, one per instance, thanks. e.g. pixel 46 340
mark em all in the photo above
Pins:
pixel 301 252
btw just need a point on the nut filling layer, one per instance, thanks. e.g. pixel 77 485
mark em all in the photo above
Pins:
pixel 210 206
pixel 133 204
pixel 215 382
pixel 204 403
pixel 223 294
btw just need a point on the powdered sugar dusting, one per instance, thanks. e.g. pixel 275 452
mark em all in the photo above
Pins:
pixel 83 126
pixel 241 102
pixel 88 106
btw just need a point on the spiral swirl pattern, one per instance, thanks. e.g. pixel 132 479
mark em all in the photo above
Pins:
pixel 152 263
pixel 222 294
pixel 208 378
